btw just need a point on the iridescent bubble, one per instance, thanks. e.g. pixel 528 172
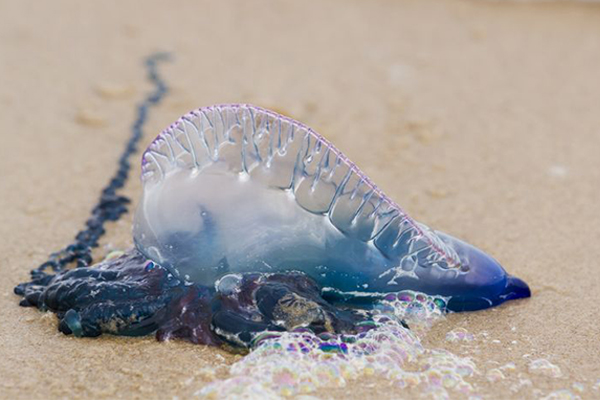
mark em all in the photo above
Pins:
pixel 544 367
pixel 459 335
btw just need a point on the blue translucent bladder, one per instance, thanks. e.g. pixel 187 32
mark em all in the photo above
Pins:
pixel 237 189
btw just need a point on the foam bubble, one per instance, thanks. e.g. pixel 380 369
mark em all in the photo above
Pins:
pixel 544 367
pixel 459 335
pixel 494 375
pixel 563 394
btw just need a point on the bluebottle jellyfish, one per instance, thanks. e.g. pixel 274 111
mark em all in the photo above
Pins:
pixel 250 222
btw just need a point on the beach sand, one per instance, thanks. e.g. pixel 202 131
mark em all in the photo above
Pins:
pixel 480 118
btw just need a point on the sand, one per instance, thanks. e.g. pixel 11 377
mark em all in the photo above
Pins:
pixel 480 118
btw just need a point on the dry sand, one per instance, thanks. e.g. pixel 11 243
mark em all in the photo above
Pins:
pixel 482 119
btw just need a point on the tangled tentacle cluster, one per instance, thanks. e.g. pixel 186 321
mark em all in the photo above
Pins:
pixel 130 295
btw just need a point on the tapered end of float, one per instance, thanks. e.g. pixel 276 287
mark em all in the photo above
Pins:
pixel 484 282
pixel 515 289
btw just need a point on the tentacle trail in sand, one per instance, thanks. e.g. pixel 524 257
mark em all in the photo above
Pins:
pixel 111 205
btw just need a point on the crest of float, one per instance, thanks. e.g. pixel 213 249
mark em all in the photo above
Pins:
pixel 235 188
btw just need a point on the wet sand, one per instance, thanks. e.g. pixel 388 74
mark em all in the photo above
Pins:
pixel 480 118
